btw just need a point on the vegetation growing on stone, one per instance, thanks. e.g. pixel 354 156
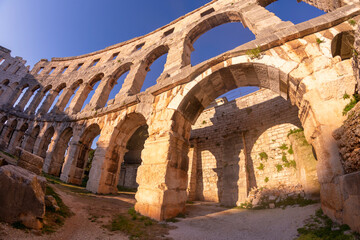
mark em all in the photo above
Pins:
pixel 279 167
pixel 319 226
pixel 266 179
pixel 254 53
pixel 263 155
pixel 261 166
pixel 295 130
pixel 353 101
pixel 319 41
pixel 283 146
pixel 291 151
pixel 352 22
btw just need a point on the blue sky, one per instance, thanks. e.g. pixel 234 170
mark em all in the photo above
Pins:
pixel 36 29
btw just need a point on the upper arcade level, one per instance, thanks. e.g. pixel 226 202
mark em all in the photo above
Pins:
pixel 63 84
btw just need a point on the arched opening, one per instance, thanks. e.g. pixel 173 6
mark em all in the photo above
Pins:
pixel 5 82
pixel 22 93
pixel 73 90
pixel 90 91
pixel 106 180
pixel 155 60
pixel 9 132
pixel 292 10
pixel 58 154
pixel 343 45
pixel 218 40
pixel 3 123
pixel 117 81
pixel 18 137
pixel 58 91
pixel 45 142
pixel 85 152
pixel 32 138
pixel 45 94
pixel 34 93
pixel 132 158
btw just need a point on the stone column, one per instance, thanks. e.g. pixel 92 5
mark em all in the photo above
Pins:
pixel 79 99
pixel 12 96
pixel 162 177
pixel 262 22
pixel 101 95
pixel 24 100
pixel 70 159
pixel 192 172
pixel 4 138
pixel 48 102
pixel 35 103
pixel 133 82
pixel 50 152
pixel 63 100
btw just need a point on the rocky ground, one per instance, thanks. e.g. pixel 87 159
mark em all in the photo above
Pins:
pixel 202 221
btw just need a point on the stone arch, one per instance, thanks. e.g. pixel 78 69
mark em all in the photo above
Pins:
pixel 267 72
pixel 204 26
pixel 88 87
pixel 343 44
pixel 112 155
pixel 58 154
pixel 29 145
pixel 145 64
pixel 57 94
pixel 82 153
pixel 45 142
pixel 2 123
pixel 42 98
pixel 19 94
pixel 8 132
pixel 5 82
pixel 17 138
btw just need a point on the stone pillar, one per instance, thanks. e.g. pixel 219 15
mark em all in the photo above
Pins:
pixel 50 152
pixel 133 82
pixel 262 22
pixel 79 99
pixel 24 100
pixel 35 103
pixel 101 95
pixel 104 172
pixel 69 162
pixel 12 96
pixel 179 55
pixel 48 102
pixel 162 176
pixel 192 172
pixel 63 100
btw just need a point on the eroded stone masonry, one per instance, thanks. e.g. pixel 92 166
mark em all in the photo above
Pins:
pixel 193 148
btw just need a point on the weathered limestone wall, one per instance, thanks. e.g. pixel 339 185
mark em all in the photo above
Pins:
pixel 230 140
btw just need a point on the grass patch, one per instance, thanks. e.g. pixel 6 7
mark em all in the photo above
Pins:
pixel 55 219
pixel 135 225
pixel 283 147
pixel 321 227
pixel 295 130
pixel 353 101
pixel 10 155
pixel 352 22
pixel 290 201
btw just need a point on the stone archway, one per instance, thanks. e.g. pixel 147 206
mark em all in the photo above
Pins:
pixel 105 171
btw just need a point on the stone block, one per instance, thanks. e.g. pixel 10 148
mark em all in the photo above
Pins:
pixel 22 197
pixel 30 161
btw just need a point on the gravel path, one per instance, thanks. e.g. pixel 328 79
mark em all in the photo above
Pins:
pixel 212 222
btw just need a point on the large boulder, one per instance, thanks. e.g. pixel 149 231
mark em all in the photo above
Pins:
pixel 22 196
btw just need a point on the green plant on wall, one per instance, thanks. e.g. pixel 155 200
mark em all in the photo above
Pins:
pixel 352 22
pixel 266 179
pixel 295 130
pixel 283 146
pixel 291 151
pixel 319 41
pixel 279 167
pixel 261 166
pixel 353 101
pixel 204 122
pixel 254 53
pixel 263 156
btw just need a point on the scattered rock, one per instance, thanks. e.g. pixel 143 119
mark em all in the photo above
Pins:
pixel 51 202
pixel 271 205
pixel 22 197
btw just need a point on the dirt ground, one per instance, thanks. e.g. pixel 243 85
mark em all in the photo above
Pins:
pixel 203 221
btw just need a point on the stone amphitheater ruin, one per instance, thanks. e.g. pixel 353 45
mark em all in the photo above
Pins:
pixel 193 147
